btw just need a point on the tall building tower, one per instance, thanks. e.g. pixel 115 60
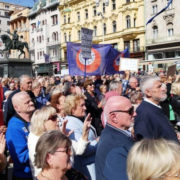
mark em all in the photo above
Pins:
pixel 45 37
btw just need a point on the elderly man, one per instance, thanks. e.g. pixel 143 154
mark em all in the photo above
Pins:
pixel 151 122
pixel 16 135
pixel 25 85
pixel 115 140
pixel 132 86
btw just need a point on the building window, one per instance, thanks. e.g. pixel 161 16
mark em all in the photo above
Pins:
pixel 69 37
pixel 54 19
pixel 128 21
pixel 114 26
pixel 79 35
pixel 115 46
pixel 154 9
pixel 86 13
pixel 0 21
pixel 127 1
pixel 136 45
pixel 6 6
pixel 104 7
pixel 95 30
pixel 6 14
pixel 126 44
pixel 69 20
pixel 170 54
pixel 104 29
pixel 64 19
pixel 78 16
pixel 170 30
pixel 134 22
pixel 113 4
pixel 65 37
pixel 155 32
pixel 94 10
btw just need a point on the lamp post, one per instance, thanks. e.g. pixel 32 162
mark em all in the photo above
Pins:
pixel 106 2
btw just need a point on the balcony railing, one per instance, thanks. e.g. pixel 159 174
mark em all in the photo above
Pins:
pixel 163 40
pixel 52 43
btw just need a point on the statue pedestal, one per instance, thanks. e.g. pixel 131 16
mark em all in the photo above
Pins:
pixel 12 67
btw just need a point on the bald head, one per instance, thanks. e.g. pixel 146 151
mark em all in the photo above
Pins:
pixel 22 103
pixel 116 111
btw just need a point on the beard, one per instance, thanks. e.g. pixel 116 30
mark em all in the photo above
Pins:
pixel 160 99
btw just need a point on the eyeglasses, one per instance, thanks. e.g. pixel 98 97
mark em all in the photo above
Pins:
pixel 66 150
pixel 53 117
pixel 91 84
pixel 130 111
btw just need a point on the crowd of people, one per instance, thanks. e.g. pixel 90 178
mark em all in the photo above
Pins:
pixel 110 127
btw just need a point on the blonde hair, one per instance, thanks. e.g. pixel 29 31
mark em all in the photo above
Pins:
pixel 153 159
pixel 71 103
pixel 39 117
pixel 175 88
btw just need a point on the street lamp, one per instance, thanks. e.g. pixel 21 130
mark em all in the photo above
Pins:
pixel 106 2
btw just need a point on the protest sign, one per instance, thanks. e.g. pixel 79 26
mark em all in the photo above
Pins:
pixel 128 64
pixel 86 42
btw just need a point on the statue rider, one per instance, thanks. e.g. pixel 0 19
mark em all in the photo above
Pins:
pixel 15 38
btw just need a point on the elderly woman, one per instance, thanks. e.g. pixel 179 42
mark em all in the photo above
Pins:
pixel 45 119
pixel 154 160
pixel 74 108
pixel 53 153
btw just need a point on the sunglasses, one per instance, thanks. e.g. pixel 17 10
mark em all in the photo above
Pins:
pixel 130 111
pixel 53 117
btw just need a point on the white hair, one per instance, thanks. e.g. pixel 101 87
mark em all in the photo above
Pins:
pixel 147 82
pixel 22 77
pixel 114 85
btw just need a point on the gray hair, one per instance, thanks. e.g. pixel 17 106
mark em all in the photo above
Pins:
pixel 114 85
pixel 22 77
pixel 147 82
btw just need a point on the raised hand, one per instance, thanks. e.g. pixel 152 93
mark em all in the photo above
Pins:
pixel 63 128
pixel 86 127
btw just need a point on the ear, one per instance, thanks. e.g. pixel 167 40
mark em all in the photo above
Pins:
pixel 148 93
pixel 49 159
pixel 113 118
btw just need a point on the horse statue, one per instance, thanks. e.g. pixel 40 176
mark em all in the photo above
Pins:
pixel 10 45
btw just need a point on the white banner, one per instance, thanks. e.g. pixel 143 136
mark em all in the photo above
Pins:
pixel 128 64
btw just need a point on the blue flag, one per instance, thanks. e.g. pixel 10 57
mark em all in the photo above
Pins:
pixel 114 65
pixel 103 56
pixel 47 58
pixel 150 20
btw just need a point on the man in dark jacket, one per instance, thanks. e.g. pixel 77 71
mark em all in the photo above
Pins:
pixel 25 85
pixel 151 122
pixel 115 141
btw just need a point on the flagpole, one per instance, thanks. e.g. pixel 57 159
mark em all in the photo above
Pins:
pixel 85 69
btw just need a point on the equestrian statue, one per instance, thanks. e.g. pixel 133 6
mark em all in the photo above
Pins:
pixel 14 43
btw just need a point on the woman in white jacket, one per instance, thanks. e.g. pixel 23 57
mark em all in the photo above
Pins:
pixel 46 119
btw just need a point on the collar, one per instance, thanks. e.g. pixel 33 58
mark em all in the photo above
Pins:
pixel 21 119
pixel 125 132
pixel 147 100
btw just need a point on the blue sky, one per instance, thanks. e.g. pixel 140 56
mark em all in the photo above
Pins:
pixel 26 3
